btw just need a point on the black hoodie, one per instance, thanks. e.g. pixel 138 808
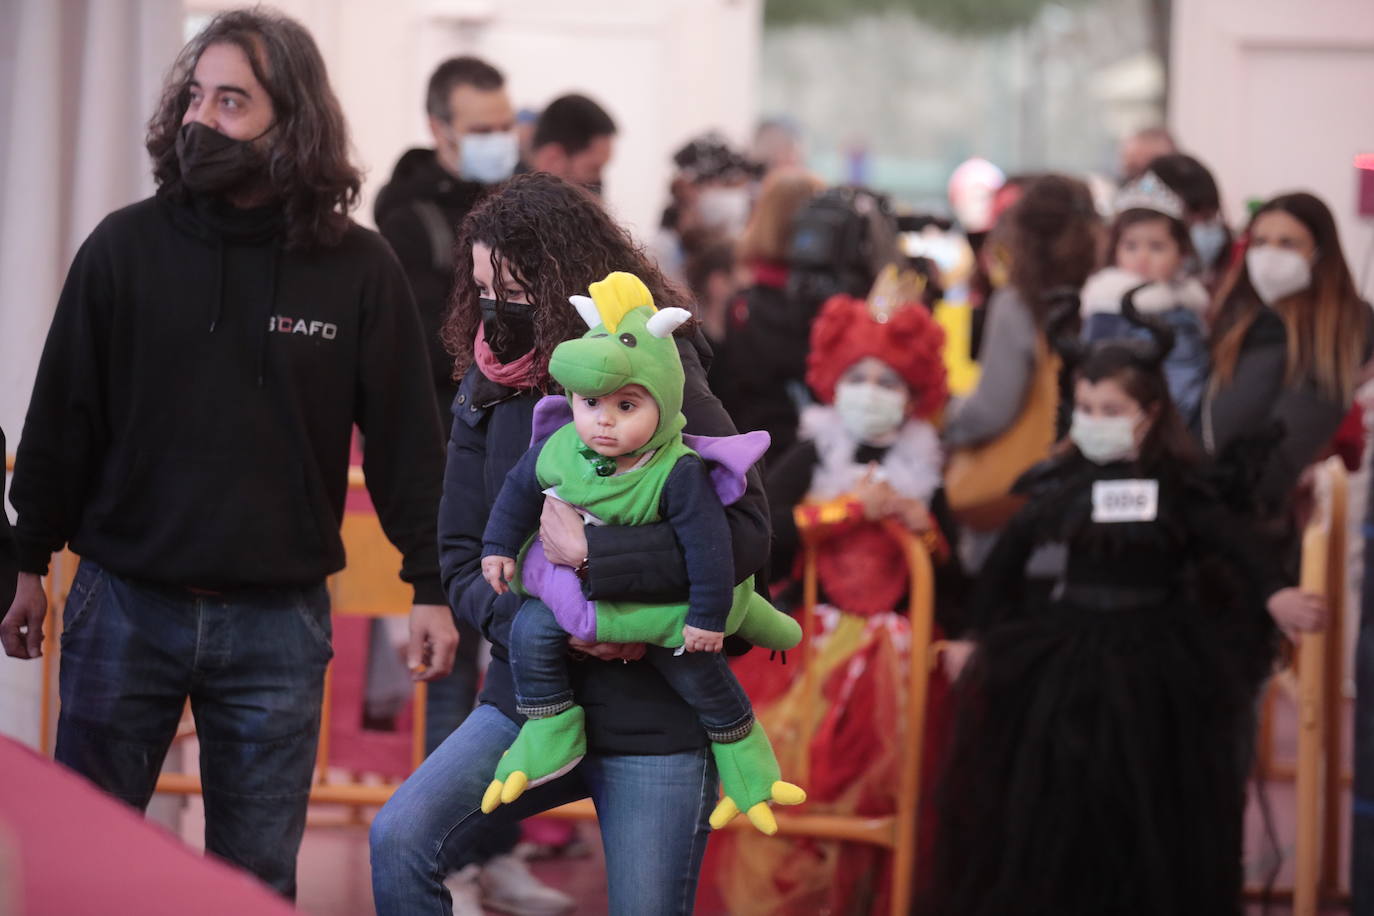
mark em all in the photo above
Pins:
pixel 191 419
pixel 418 212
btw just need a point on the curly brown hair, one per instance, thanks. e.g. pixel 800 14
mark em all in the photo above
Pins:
pixel 1051 237
pixel 307 159
pixel 554 239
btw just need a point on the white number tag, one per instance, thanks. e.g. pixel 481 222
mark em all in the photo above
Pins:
pixel 1125 501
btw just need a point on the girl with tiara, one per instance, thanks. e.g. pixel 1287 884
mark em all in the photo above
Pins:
pixel 1148 255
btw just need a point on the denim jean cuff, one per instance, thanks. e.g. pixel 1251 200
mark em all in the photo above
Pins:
pixel 544 707
pixel 732 733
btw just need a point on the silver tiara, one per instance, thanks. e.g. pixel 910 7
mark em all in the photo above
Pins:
pixel 1149 193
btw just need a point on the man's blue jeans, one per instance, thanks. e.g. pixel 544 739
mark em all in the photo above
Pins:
pixel 252 663
pixel 652 810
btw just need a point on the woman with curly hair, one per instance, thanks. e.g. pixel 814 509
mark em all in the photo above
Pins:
pixel 521 253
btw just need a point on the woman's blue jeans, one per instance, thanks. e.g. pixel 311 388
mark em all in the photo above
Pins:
pixel 652 810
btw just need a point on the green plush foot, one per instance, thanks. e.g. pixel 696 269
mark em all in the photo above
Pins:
pixel 544 750
pixel 749 780
pixel 767 627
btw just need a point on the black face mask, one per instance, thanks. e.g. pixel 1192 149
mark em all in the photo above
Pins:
pixel 508 328
pixel 212 163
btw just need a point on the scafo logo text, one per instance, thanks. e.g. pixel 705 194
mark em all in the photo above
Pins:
pixel 283 325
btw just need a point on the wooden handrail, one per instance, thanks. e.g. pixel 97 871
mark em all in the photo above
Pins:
pixel 1318 730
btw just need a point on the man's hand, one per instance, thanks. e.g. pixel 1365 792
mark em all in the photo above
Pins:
pixel 563 533
pixel 433 642
pixel 498 571
pixel 608 651
pixel 21 631
pixel 695 639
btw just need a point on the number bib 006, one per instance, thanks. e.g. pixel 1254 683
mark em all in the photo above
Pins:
pixel 1125 501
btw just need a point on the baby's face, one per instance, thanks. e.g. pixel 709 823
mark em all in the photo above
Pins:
pixel 618 423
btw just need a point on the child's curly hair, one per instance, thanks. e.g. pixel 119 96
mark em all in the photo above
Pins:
pixel 909 341
pixel 554 239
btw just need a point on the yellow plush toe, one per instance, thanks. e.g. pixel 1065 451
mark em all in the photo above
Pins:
pixel 785 793
pixel 761 816
pixel 724 813
pixel 515 786
pixel 491 799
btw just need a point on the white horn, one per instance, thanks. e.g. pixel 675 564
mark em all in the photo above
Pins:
pixel 666 321
pixel 587 309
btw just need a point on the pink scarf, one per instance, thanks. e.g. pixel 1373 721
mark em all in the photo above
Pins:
pixel 518 374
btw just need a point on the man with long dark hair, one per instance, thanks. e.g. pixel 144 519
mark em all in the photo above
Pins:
pixel 189 437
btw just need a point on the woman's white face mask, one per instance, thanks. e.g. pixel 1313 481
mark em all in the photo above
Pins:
pixel 724 209
pixel 1277 273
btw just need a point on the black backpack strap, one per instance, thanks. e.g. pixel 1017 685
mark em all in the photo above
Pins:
pixel 441 234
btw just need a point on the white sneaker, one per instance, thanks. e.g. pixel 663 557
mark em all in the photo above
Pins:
pixel 466 892
pixel 508 885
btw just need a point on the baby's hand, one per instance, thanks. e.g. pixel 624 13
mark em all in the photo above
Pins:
pixel 696 640
pixel 498 571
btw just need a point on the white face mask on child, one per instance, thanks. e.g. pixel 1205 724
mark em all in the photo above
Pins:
pixel 870 412
pixel 1103 440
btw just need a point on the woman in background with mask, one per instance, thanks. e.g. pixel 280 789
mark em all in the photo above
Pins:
pixel 1094 763
pixel 710 196
pixel 1289 337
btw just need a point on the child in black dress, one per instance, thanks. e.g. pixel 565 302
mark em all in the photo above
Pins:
pixel 1095 764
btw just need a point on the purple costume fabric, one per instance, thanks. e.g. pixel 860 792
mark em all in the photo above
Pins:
pixel 728 459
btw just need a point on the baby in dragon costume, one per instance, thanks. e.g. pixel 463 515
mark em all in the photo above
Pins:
pixel 622 459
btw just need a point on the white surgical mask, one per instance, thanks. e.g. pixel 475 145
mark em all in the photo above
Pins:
pixel 1103 439
pixel 1277 272
pixel 724 209
pixel 488 158
pixel 870 412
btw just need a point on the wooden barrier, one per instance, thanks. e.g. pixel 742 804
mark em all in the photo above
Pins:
pixel 897 831
pixel 1314 683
